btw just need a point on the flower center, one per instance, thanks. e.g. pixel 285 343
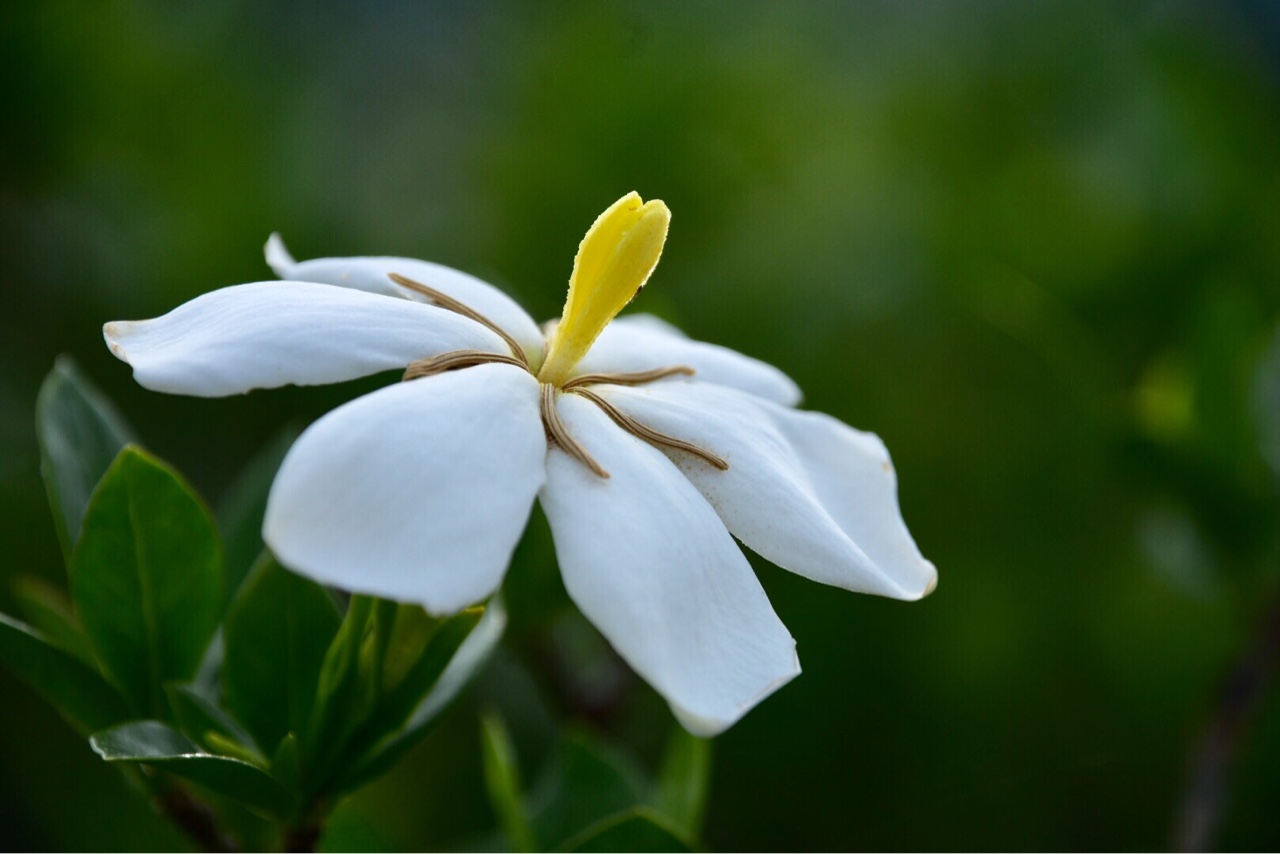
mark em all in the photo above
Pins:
pixel 614 261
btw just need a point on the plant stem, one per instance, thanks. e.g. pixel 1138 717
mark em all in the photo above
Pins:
pixel 302 837
pixel 195 819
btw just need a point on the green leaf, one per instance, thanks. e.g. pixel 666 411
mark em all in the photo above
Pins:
pixel 396 704
pixel 243 506
pixel 586 783
pixel 80 433
pixel 74 688
pixel 443 687
pixel 206 723
pixel 276 635
pixel 49 611
pixel 146 577
pixel 208 680
pixel 284 765
pixel 502 780
pixel 337 707
pixel 412 629
pixel 463 665
pixel 157 744
pixel 681 793
pixel 400 654
pixel 381 627
pixel 638 829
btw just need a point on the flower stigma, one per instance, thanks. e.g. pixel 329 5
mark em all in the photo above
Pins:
pixel 614 261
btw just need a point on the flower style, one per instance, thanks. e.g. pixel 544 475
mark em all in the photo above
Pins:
pixel 649 452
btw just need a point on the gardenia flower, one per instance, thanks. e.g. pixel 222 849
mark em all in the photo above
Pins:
pixel 649 452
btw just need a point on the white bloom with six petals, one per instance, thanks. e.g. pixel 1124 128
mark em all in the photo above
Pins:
pixel 649 453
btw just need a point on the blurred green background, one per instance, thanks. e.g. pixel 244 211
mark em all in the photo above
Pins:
pixel 1034 246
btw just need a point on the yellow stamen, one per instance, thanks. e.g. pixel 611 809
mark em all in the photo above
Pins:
pixel 614 261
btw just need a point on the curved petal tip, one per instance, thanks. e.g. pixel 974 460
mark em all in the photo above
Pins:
pixel 114 333
pixel 932 585
pixel 278 257
pixel 707 727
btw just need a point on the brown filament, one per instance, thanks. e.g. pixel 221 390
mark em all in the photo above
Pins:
pixel 447 302
pixel 557 432
pixel 653 437
pixel 456 359
pixel 555 428
pixel 639 378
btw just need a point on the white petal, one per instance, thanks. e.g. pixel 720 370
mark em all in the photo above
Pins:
pixel 270 334
pixel 370 274
pixel 649 563
pixel 642 343
pixel 418 492
pixel 803 490
pixel 278 255
pixel 651 321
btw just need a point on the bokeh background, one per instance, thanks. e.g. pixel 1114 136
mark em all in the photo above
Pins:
pixel 1034 246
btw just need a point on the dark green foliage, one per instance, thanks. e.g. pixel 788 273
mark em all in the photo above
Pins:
pixel 80 433
pixel 49 610
pixel 591 797
pixel 502 781
pixel 70 685
pixel 279 708
pixel 420 673
pixel 276 633
pixel 146 577
pixel 683 780
pixel 245 503
pixel 159 745
pixel 211 725
pixel 637 829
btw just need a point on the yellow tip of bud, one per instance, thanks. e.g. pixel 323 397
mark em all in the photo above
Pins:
pixel 614 261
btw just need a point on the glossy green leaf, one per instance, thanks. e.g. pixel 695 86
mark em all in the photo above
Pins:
pixel 146 577
pixel 502 780
pixel 80 433
pixel 48 610
pixel 70 685
pixel 441 689
pixel 681 794
pixel 204 722
pixel 243 506
pixel 276 634
pixel 155 743
pixel 586 782
pixel 638 829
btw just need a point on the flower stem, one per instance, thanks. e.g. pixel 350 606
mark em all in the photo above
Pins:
pixel 195 819
pixel 302 837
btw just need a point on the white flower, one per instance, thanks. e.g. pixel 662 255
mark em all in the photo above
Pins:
pixel 649 452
